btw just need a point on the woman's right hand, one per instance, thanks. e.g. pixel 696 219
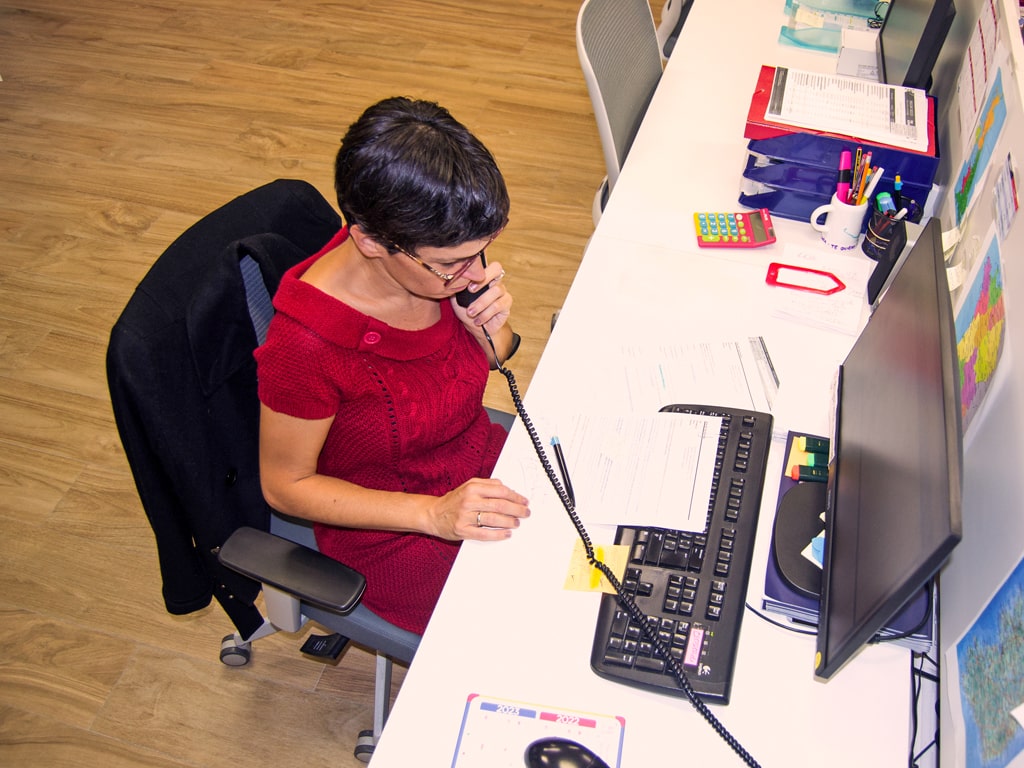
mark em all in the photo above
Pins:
pixel 482 508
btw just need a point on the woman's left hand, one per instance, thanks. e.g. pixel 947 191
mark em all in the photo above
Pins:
pixel 492 305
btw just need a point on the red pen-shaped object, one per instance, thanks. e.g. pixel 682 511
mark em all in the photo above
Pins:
pixel 845 176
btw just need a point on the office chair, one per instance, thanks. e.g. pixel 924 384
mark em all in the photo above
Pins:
pixel 673 16
pixel 182 380
pixel 618 48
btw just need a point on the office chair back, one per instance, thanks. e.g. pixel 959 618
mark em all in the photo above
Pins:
pixel 673 16
pixel 183 387
pixel 617 44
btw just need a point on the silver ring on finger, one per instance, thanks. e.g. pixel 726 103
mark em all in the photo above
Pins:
pixel 478 523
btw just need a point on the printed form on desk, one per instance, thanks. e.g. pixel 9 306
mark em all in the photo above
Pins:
pixel 872 112
pixel 647 468
pixel 732 372
pixel 842 311
pixel 651 470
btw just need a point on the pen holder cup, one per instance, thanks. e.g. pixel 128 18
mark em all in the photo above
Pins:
pixel 885 237
pixel 843 223
pixel 884 243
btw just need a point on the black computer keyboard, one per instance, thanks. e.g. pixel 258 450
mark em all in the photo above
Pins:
pixel 691 586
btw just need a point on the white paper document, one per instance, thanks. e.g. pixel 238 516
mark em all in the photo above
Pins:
pixel 736 373
pixel 877 112
pixel 842 311
pixel 651 470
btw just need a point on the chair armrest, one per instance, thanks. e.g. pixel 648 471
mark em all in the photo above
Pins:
pixel 309 575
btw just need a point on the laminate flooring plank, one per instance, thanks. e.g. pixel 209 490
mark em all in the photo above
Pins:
pixel 121 125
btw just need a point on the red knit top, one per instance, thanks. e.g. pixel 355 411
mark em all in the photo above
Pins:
pixel 408 416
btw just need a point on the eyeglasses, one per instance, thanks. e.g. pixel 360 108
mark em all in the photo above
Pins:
pixel 464 264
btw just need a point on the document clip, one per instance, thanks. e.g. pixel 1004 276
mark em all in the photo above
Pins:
pixel 803 279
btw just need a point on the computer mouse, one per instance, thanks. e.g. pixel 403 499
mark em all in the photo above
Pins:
pixel 555 752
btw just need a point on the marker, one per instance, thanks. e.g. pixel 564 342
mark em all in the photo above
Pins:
pixel 809 444
pixel 560 458
pixel 897 195
pixel 876 176
pixel 812 474
pixel 819 460
pixel 845 176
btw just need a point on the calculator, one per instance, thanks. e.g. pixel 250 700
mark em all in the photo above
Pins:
pixel 734 230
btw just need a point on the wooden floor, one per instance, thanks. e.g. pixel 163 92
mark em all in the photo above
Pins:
pixel 121 123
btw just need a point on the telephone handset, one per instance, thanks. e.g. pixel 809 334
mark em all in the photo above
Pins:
pixel 465 297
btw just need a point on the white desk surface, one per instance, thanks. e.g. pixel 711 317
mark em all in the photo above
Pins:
pixel 505 627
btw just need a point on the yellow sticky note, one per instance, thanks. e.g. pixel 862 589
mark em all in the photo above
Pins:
pixel 796 458
pixel 583 577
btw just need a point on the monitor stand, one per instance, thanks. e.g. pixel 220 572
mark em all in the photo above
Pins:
pixel 798 519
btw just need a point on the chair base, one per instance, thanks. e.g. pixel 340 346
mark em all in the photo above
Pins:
pixel 234 651
pixel 365 745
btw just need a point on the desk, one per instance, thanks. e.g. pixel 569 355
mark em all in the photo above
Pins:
pixel 504 626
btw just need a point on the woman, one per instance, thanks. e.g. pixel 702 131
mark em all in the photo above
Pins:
pixel 372 376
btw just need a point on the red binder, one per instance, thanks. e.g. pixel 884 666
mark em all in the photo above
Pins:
pixel 760 127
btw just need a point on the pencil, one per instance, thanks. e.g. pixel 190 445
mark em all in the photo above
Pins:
pixel 860 189
pixel 858 171
pixel 866 160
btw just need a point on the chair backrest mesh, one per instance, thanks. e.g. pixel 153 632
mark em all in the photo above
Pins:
pixel 619 41
pixel 257 297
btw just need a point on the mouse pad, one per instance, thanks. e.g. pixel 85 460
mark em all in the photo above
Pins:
pixel 496 732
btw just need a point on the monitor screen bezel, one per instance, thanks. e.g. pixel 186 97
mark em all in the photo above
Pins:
pixel 835 649
pixel 929 44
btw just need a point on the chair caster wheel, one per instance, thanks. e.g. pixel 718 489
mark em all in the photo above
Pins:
pixel 234 652
pixel 364 746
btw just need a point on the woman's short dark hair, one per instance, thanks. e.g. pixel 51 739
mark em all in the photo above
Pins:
pixel 409 174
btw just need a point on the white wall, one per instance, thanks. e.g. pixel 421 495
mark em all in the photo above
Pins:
pixel 993 492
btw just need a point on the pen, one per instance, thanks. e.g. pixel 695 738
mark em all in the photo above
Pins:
pixel 845 176
pixel 897 195
pixel 560 458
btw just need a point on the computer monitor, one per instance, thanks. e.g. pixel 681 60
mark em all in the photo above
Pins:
pixel 910 40
pixel 893 501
